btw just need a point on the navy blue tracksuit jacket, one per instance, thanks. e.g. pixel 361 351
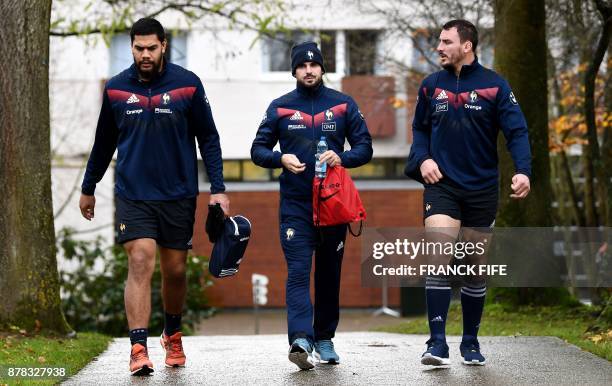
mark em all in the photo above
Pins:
pixel 457 120
pixel 154 126
pixel 297 121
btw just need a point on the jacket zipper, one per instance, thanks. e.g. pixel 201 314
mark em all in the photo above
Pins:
pixel 312 116
pixel 457 89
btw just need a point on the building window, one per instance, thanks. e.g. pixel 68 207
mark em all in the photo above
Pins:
pixel 424 54
pixel 277 50
pixel 252 172
pixel 121 51
pixel 177 44
pixel 232 170
pixel 361 47
pixel 120 54
pixel 327 44
pixel 379 169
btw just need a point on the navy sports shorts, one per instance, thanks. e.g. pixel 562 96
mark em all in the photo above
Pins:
pixel 170 223
pixel 474 208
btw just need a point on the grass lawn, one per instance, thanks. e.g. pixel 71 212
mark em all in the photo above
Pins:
pixel 569 324
pixel 40 351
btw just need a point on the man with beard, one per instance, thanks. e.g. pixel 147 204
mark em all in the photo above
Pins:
pixel 459 113
pixel 152 114
pixel 298 120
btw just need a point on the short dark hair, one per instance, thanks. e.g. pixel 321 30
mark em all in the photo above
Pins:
pixel 148 26
pixel 466 31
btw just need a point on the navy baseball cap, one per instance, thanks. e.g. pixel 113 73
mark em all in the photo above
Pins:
pixel 228 251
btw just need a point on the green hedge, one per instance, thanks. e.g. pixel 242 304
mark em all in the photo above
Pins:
pixel 92 294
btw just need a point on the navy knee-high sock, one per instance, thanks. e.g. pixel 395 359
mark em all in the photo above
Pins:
pixel 139 335
pixel 438 295
pixel 172 323
pixel 472 305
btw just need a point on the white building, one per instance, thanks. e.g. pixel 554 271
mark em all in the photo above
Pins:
pixel 242 75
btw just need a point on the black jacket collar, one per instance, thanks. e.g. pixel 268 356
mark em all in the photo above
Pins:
pixel 311 92
pixel 134 72
pixel 467 68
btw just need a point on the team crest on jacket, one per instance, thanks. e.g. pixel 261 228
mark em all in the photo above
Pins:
pixel 473 97
pixel 329 115
pixel 166 98
pixel 290 233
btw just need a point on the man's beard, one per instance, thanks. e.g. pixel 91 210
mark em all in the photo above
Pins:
pixel 452 65
pixel 449 67
pixel 152 71
pixel 314 85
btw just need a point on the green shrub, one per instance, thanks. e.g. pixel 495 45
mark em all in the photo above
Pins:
pixel 513 297
pixel 92 293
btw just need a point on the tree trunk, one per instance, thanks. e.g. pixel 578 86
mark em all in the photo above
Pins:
pixel 590 198
pixel 29 282
pixel 565 174
pixel 520 56
pixel 603 176
pixel 606 154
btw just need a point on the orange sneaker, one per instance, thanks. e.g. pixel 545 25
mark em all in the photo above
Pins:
pixel 139 360
pixel 173 346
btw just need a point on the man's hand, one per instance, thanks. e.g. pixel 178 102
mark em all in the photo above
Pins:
pixel 87 204
pixel 292 163
pixel 222 199
pixel 331 158
pixel 520 186
pixel 430 172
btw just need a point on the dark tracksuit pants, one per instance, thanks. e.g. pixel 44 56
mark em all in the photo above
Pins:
pixel 299 239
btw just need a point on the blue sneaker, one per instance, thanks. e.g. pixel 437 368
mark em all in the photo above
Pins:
pixel 300 353
pixel 325 353
pixel 470 351
pixel 436 354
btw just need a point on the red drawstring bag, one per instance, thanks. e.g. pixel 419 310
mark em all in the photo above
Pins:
pixel 335 199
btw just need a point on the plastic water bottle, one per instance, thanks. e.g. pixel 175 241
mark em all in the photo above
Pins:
pixel 320 167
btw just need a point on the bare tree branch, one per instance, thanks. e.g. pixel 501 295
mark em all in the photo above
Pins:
pixel 73 190
pixel 242 14
pixel 423 18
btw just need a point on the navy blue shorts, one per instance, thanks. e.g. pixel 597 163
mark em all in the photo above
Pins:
pixel 474 208
pixel 170 223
